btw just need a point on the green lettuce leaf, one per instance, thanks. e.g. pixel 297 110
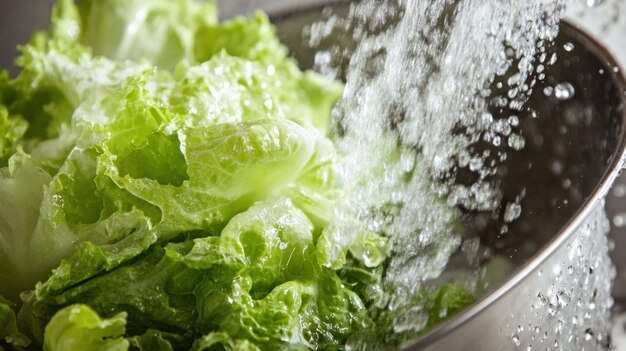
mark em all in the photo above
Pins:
pixel 155 340
pixel 253 38
pixel 214 340
pixel 9 334
pixel 258 281
pixel 161 32
pixel 12 129
pixel 78 327
pixel 21 193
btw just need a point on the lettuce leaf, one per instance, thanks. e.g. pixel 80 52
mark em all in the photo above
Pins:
pixel 161 32
pixel 258 281
pixel 12 129
pixel 9 333
pixel 78 327
pixel 21 193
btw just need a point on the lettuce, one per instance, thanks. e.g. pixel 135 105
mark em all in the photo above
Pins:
pixel 78 327
pixel 258 281
pixel 9 333
pixel 168 182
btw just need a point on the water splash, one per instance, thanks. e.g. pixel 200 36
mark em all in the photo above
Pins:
pixel 421 85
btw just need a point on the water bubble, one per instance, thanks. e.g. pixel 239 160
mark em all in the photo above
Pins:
pixel 568 46
pixel 564 91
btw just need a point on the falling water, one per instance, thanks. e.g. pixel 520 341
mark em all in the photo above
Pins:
pixel 422 83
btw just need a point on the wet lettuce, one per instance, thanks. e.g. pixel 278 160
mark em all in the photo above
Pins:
pixel 167 182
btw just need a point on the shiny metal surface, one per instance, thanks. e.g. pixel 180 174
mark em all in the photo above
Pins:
pixel 555 219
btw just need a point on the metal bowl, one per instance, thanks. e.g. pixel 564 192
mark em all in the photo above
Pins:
pixel 558 248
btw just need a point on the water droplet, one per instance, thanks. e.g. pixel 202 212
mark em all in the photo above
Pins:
pixel 552 310
pixel 553 59
pixel 496 140
pixel 594 3
pixel 588 334
pixel 564 91
pixel 271 70
pixel 559 327
pixel 512 212
pixel 542 299
pixel 619 190
pixel 547 91
pixel 563 298
pixel 568 46
pixel 516 340
pixel 516 142
pixel 619 220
